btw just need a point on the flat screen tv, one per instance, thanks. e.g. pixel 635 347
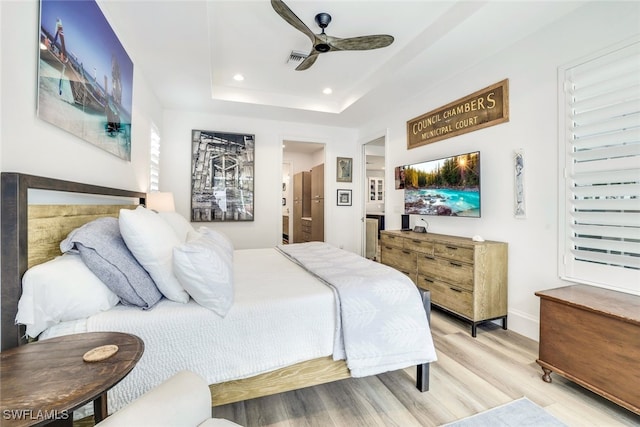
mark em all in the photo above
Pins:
pixel 444 187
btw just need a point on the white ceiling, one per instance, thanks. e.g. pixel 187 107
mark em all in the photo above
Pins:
pixel 189 51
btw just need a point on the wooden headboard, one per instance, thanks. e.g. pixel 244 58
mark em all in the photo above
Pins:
pixel 31 234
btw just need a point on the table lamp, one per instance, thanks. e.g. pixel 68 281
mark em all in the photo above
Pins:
pixel 160 201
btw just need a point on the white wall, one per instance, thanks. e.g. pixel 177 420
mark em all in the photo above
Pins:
pixel 531 67
pixel 266 229
pixel 300 161
pixel 30 145
pixel 33 146
pixel 2 41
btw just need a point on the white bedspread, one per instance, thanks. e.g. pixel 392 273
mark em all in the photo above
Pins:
pixel 384 324
pixel 281 316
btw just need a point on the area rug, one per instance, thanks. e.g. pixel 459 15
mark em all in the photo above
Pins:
pixel 519 413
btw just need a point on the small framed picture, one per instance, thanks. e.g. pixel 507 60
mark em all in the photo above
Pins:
pixel 344 167
pixel 344 197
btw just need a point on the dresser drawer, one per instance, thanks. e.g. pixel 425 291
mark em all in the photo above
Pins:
pixel 398 258
pixel 459 301
pixel 454 272
pixel 417 245
pixel 454 252
pixel 389 240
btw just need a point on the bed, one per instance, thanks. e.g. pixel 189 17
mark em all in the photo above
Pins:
pixel 31 235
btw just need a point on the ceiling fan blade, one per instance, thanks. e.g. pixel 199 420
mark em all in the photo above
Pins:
pixel 286 14
pixel 361 43
pixel 308 61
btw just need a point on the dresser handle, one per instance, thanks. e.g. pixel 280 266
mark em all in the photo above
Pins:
pixel 429 257
pixel 455 264
pixel 427 280
pixel 416 241
pixel 456 290
pixel 453 248
pixel 406 252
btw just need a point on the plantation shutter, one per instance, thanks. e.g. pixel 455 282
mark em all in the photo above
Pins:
pixel 600 146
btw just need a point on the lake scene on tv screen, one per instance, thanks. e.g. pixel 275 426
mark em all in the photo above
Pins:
pixel 444 187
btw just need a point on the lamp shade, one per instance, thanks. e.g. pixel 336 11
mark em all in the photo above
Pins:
pixel 161 201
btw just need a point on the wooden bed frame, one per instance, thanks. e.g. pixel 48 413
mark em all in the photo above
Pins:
pixel 31 235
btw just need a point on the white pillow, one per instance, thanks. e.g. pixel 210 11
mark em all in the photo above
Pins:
pixel 151 240
pixel 60 290
pixel 217 236
pixel 180 225
pixel 205 270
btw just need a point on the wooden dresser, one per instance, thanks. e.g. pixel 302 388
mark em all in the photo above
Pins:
pixel 466 278
pixel 317 204
pixel 591 336
pixel 308 205
pixel 285 229
pixel 307 224
pixel 301 204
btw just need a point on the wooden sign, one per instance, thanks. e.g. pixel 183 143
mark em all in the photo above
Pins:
pixel 481 109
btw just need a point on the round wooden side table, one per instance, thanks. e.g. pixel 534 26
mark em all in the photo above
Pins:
pixel 45 381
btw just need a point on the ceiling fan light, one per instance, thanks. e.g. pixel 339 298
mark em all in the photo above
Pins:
pixel 323 43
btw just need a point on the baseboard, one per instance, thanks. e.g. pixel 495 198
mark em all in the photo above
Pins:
pixel 524 324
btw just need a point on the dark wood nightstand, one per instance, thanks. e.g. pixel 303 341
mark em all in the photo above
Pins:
pixel 45 381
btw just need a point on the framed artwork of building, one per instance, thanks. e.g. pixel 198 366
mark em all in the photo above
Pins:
pixel 222 176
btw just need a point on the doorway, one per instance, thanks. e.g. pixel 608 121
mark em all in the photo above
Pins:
pixel 303 191
pixel 374 196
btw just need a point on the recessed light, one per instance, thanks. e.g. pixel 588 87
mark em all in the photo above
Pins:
pixel 238 77
pixel 327 91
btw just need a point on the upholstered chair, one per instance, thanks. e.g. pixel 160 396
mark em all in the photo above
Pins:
pixel 181 401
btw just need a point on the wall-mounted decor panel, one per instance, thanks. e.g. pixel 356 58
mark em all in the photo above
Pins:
pixel 222 174
pixel 85 77
pixel 481 109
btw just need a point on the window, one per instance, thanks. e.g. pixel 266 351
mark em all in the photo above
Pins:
pixel 154 160
pixel 599 151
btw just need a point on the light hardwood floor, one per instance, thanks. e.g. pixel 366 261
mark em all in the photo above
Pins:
pixel 470 376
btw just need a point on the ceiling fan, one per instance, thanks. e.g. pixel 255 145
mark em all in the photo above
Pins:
pixel 322 42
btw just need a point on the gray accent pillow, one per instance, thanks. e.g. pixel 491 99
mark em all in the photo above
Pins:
pixel 105 253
